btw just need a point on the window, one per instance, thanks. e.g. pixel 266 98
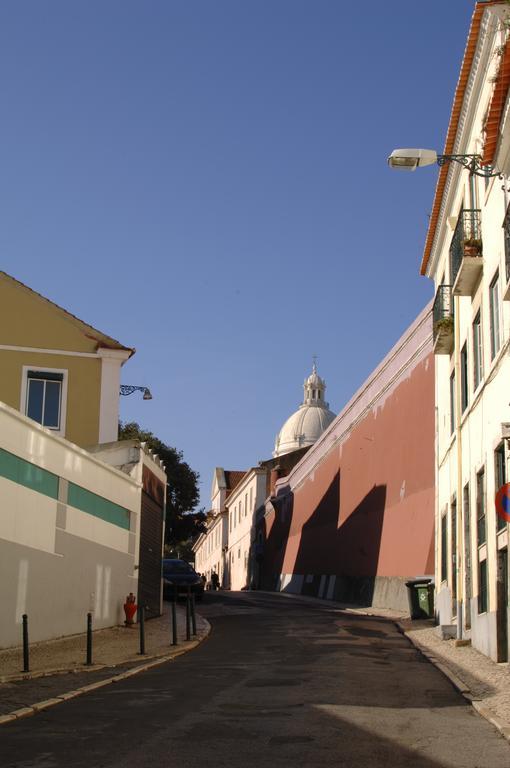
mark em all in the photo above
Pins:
pixel 500 477
pixel 452 403
pixel 43 397
pixel 477 351
pixel 464 391
pixel 245 504
pixel 454 554
pixel 444 547
pixel 230 521
pixel 480 508
pixel 251 498
pixel 494 315
pixel 482 587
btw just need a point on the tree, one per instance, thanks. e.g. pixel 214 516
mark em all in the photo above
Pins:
pixel 182 494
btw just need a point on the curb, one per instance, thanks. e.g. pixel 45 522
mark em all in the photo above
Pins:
pixel 502 726
pixel 19 714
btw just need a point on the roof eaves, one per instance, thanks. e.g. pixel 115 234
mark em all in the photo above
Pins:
pixel 102 339
pixel 453 125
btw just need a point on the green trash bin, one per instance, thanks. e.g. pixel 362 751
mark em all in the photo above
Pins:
pixel 420 593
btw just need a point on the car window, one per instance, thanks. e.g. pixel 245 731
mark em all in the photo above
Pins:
pixel 177 566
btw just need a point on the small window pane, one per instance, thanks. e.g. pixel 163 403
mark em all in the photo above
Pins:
pixel 35 400
pixel 444 545
pixel 500 478
pixel 480 508
pixel 52 405
pixel 482 587
pixel 477 351
pixel 494 316
pixel 452 403
pixel 464 378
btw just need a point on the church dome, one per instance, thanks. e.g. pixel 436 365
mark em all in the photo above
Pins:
pixel 309 421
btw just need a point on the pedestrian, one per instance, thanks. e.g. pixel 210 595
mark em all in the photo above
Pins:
pixel 215 580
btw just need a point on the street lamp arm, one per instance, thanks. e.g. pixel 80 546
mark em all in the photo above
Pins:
pixel 128 389
pixel 472 163
pixel 410 159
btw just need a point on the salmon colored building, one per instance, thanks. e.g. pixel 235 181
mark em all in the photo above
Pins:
pixel 354 519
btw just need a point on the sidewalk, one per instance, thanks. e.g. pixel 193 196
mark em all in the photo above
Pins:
pixel 57 667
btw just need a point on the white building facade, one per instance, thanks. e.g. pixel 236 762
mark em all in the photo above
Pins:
pixel 211 547
pixel 242 505
pixel 467 254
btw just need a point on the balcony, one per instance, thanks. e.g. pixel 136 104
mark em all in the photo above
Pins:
pixel 442 321
pixel 506 229
pixel 466 260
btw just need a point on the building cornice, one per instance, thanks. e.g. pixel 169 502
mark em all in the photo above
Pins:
pixel 461 119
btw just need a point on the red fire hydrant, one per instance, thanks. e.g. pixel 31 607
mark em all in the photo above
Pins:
pixel 130 607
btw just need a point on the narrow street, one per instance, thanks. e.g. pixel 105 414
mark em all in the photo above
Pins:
pixel 279 682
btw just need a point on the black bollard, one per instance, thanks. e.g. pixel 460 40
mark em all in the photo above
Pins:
pixel 174 617
pixel 26 662
pixel 193 616
pixel 89 640
pixel 141 622
pixel 188 612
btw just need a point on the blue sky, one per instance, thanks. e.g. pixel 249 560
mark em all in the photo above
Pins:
pixel 207 181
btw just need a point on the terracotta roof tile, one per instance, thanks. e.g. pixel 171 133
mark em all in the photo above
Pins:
pixel 498 101
pixel 460 90
pixel 232 478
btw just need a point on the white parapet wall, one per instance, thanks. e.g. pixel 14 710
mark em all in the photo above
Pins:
pixel 68 534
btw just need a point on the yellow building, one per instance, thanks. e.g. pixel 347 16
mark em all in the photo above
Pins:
pixel 57 369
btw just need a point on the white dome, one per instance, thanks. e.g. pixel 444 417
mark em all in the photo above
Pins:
pixel 309 421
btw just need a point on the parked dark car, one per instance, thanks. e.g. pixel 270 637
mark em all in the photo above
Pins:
pixel 181 575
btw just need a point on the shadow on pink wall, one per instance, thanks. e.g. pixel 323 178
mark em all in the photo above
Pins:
pixel 349 551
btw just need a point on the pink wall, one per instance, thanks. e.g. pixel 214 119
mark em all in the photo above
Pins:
pixel 361 502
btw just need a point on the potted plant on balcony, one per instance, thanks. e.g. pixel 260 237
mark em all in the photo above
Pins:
pixel 472 246
pixel 444 325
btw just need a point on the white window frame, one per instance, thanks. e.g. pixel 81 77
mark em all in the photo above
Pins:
pixel 63 401
pixel 495 316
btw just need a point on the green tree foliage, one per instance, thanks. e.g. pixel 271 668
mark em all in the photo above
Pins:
pixel 182 494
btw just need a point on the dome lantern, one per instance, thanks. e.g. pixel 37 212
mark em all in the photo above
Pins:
pixel 307 424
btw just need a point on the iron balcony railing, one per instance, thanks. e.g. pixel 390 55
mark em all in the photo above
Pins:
pixel 506 229
pixel 442 311
pixel 466 240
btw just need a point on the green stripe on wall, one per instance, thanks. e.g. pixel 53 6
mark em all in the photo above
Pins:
pixel 98 506
pixel 28 474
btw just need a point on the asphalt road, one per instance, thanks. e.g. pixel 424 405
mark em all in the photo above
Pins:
pixel 279 682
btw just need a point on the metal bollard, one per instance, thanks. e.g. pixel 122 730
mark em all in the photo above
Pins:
pixel 26 661
pixel 89 640
pixel 141 622
pixel 188 612
pixel 174 617
pixel 193 616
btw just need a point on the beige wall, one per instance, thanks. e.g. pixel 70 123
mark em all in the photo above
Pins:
pixel 29 323
pixel 83 389
pixel 28 320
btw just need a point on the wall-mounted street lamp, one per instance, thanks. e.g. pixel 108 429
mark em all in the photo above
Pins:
pixel 411 159
pixel 128 389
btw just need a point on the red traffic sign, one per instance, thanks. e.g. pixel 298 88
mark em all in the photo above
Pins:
pixel 503 502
